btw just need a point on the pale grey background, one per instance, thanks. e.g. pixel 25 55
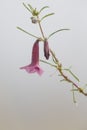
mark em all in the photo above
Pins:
pixel 30 102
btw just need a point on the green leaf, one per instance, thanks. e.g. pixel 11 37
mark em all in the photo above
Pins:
pixel 31 8
pixel 43 8
pixel 27 32
pixel 48 63
pixel 57 32
pixel 46 16
pixel 72 74
pixel 73 90
pixel 62 80
pixel 27 7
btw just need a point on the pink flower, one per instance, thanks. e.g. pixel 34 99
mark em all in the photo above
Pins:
pixel 46 49
pixel 34 66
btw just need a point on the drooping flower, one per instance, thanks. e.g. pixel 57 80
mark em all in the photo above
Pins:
pixel 34 66
pixel 46 49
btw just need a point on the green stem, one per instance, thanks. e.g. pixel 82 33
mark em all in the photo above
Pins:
pixel 59 68
pixel 40 27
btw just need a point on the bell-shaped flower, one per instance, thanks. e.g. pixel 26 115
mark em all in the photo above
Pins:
pixel 34 66
pixel 46 49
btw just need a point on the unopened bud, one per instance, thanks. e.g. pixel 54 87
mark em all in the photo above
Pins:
pixel 46 49
pixel 34 20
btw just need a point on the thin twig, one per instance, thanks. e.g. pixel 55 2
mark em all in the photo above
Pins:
pixel 59 68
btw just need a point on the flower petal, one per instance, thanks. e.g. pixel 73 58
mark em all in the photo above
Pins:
pixel 33 68
pixel 35 53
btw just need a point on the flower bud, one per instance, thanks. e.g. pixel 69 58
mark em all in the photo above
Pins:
pixel 34 20
pixel 46 49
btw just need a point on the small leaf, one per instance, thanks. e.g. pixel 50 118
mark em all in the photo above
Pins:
pixel 54 60
pixel 27 32
pixel 46 16
pixel 43 8
pixel 74 75
pixel 27 7
pixel 30 7
pixel 48 63
pixel 57 32
pixel 62 80
pixel 73 90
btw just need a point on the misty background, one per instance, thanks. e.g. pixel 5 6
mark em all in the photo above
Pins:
pixel 31 102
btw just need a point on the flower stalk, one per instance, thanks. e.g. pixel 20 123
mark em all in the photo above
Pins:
pixel 41 30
